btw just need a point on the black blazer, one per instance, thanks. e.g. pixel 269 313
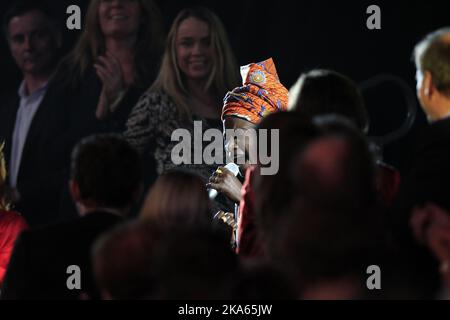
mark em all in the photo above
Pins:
pixel 82 98
pixel 429 176
pixel 41 256
pixel 40 173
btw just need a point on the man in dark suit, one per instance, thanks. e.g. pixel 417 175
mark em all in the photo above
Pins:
pixel 427 187
pixel 53 262
pixel 429 178
pixel 31 118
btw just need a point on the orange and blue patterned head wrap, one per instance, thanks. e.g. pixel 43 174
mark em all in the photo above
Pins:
pixel 261 94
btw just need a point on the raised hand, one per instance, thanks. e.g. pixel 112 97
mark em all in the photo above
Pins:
pixel 423 218
pixel 110 72
pixel 431 226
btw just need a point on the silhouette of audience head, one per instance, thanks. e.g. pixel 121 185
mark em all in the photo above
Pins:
pixel 272 193
pixel 179 262
pixel 178 197
pixel 321 92
pixel 333 216
pixel 196 264
pixel 105 173
pixel 123 261
pixel 263 281
pixel 432 59
pixel 341 165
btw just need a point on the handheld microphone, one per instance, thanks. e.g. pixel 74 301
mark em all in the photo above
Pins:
pixel 234 168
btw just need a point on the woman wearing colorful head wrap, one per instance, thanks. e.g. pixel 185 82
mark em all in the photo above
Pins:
pixel 244 107
pixel 11 224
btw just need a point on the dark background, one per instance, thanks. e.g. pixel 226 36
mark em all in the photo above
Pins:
pixel 301 35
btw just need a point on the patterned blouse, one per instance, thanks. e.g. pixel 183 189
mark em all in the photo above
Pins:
pixel 150 127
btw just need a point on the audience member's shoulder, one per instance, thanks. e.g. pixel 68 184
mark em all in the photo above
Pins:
pixel 63 233
pixel 48 231
pixel 94 219
pixel 436 132
pixel 157 97
pixel 442 125
pixel 99 217
pixel 10 220
pixel 156 101
pixel 62 71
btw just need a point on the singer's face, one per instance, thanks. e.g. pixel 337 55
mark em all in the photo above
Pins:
pixel 240 152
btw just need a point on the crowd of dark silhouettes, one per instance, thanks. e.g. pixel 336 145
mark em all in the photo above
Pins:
pixel 86 177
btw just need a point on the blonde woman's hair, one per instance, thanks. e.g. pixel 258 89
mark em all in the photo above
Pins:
pixel 4 205
pixel 92 42
pixel 224 75
pixel 177 196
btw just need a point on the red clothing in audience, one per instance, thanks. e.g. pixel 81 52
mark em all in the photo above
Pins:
pixel 11 225
pixel 249 244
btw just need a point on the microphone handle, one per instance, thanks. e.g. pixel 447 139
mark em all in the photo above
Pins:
pixel 234 168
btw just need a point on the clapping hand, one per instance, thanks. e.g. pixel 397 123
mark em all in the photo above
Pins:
pixel 110 72
pixel 431 226
pixel 224 181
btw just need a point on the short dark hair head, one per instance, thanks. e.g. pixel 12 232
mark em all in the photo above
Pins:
pixel 107 170
pixel 334 215
pixel 433 54
pixel 134 277
pixel 195 264
pixel 355 189
pixel 24 6
pixel 261 280
pixel 320 92
pixel 178 196
pixel 271 202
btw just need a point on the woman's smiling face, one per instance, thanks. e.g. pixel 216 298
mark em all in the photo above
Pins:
pixel 193 49
pixel 119 17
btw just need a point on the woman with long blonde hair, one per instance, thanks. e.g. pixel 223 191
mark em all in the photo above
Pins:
pixel 198 69
pixel 11 223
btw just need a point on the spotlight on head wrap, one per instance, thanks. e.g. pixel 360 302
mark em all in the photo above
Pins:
pixel 261 93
